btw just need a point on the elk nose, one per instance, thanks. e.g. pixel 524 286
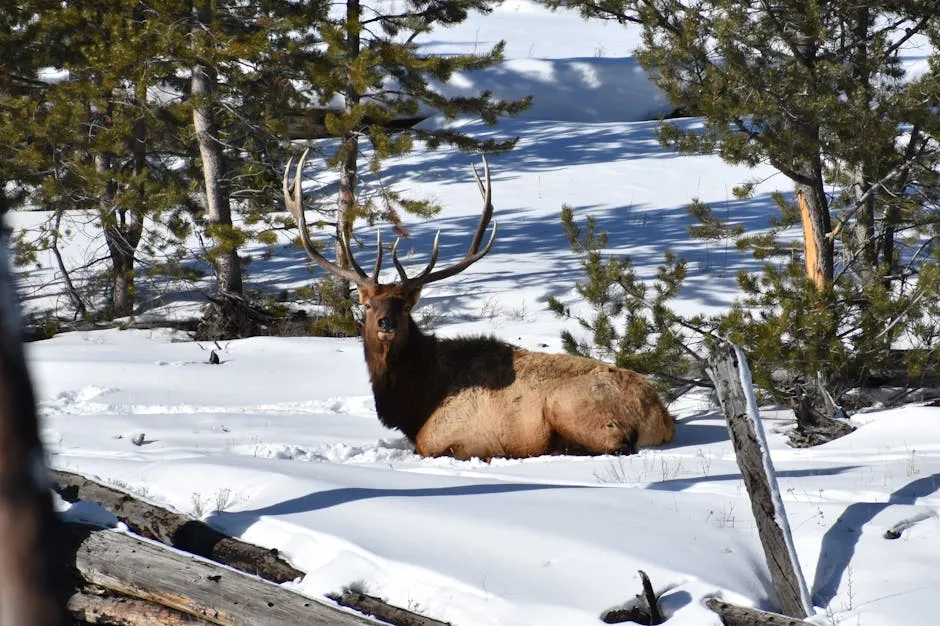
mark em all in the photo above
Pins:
pixel 386 324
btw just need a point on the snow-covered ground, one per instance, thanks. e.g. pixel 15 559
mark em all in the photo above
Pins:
pixel 280 444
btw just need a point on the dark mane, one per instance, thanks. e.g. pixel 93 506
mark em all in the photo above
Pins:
pixel 412 378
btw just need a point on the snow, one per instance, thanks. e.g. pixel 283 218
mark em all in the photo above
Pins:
pixel 280 444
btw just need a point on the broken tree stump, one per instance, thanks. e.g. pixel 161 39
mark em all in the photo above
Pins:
pixel 728 370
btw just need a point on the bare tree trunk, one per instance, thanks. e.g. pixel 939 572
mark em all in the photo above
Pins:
pixel 122 230
pixel 728 370
pixel 218 206
pixel 349 150
pixel 863 232
pixel 33 579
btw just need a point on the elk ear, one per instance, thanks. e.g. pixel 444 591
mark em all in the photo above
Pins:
pixel 413 297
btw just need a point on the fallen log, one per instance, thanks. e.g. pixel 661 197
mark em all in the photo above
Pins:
pixel 734 615
pixel 118 610
pixel 378 608
pixel 218 595
pixel 196 537
pixel 176 530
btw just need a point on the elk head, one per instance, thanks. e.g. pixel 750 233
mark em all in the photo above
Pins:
pixel 388 306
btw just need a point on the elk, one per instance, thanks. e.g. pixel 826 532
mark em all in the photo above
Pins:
pixel 478 396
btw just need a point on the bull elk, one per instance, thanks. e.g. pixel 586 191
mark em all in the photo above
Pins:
pixel 478 396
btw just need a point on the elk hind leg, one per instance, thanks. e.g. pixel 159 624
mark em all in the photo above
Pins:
pixel 589 412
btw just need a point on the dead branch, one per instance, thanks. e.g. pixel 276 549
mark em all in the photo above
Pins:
pixel 378 608
pixel 733 615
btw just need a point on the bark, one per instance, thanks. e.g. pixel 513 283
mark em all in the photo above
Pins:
pixel 33 587
pixel 750 456
pixel 123 229
pixel 732 615
pixel 863 231
pixel 349 150
pixel 218 203
pixel 120 610
pixel 179 531
pixel 147 571
pixel 383 611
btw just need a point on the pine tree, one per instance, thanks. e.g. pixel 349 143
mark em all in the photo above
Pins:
pixel 374 66
pixel 88 140
pixel 819 91
pixel 244 62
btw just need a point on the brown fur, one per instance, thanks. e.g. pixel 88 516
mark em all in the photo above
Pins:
pixel 480 397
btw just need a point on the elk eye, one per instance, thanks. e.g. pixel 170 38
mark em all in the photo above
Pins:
pixel 366 305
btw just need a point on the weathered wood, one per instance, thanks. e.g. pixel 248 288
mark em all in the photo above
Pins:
pixel 33 584
pixel 643 609
pixel 184 533
pixel 179 531
pixel 733 615
pixel 112 610
pixel 378 608
pixel 810 244
pixel 757 472
pixel 649 596
pixel 812 427
pixel 218 595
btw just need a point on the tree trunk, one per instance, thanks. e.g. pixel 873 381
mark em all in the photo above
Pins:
pixel 349 150
pixel 817 206
pixel 224 256
pixel 731 376
pixel 863 232
pixel 123 229
pixel 33 575
pixel 122 299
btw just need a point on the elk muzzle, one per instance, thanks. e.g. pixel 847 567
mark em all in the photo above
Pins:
pixel 386 328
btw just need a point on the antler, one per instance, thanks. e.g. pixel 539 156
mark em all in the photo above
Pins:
pixel 293 199
pixel 473 253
